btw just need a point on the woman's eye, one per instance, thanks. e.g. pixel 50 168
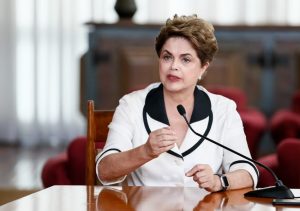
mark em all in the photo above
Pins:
pixel 186 60
pixel 167 57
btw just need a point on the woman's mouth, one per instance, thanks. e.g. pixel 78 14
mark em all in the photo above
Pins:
pixel 172 78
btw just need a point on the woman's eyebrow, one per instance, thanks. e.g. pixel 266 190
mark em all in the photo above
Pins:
pixel 166 51
pixel 184 54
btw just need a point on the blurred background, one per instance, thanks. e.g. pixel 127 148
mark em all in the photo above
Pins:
pixel 57 54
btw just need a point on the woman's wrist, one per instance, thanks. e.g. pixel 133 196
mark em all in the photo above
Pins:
pixel 218 184
pixel 146 152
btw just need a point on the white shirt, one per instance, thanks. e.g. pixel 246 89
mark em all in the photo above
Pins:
pixel 214 116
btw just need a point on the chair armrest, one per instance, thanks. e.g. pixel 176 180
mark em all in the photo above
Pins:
pixel 54 171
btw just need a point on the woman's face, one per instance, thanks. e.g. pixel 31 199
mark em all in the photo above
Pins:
pixel 179 65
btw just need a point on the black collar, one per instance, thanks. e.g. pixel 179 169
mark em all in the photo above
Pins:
pixel 155 105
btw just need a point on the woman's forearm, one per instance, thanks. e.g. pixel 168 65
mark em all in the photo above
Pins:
pixel 117 165
pixel 239 179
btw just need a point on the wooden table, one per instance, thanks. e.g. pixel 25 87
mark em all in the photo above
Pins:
pixel 78 198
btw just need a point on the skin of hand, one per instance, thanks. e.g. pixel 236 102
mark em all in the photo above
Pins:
pixel 205 177
pixel 117 165
pixel 160 141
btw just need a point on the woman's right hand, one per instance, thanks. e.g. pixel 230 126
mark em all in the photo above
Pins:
pixel 160 141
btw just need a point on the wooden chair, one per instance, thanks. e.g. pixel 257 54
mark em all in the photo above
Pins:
pixel 97 130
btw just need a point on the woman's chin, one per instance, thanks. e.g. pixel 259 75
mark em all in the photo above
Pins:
pixel 173 87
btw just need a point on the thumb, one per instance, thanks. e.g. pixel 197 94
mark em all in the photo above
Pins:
pixel 191 172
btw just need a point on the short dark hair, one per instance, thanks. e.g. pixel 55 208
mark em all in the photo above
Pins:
pixel 197 31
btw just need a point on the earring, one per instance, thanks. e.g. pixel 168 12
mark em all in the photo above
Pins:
pixel 199 78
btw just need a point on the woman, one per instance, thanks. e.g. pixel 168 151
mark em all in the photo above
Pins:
pixel 149 142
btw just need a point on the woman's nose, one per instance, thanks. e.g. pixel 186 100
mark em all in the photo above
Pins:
pixel 174 65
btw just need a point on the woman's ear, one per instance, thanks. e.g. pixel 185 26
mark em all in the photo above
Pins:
pixel 203 71
pixel 205 66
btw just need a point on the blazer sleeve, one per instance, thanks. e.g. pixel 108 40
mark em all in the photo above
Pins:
pixel 120 134
pixel 235 138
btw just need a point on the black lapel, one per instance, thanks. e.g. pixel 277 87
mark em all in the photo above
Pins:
pixel 155 108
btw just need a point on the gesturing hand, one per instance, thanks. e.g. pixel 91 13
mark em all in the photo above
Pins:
pixel 204 176
pixel 160 141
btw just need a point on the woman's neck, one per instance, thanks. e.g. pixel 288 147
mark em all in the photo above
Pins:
pixel 172 100
pixel 176 121
pixel 179 98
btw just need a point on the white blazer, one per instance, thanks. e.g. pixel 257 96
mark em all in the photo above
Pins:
pixel 214 116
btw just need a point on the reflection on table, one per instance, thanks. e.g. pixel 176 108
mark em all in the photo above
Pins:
pixel 99 198
pixel 171 198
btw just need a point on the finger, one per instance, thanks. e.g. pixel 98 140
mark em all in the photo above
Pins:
pixel 167 148
pixel 164 149
pixel 205 185
pixel 158 135
pixel 166 138
pixel 191 172
pixel 200 178
pixel 166 143
pixel 165 133
pixel 202 173
pixel 164 129
pixel 194 170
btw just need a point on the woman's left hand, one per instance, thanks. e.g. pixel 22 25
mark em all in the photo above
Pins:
pixel 205 177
